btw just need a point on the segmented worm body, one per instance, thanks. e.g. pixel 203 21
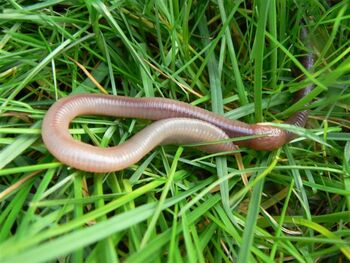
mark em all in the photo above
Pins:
pixel 176 122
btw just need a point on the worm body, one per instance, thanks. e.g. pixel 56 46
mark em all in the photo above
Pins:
pixel 177 123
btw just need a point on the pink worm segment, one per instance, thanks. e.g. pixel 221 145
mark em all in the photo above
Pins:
pixel 178 123
pixel 94 159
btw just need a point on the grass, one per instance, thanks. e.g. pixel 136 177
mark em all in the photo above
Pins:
pixel 177 205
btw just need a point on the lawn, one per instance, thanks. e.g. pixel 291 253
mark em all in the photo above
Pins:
pixel 241 59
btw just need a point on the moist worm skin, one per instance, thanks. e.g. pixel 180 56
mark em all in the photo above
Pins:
pixel 176 122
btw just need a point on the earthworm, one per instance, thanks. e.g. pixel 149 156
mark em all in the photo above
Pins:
pixel 176 122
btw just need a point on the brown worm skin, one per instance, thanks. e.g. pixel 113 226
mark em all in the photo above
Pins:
pixel 176 122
